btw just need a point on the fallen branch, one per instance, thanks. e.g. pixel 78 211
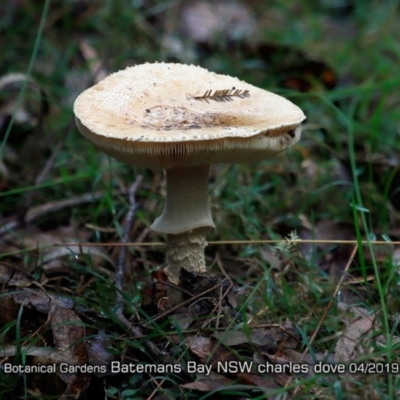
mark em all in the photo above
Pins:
pixel 52 207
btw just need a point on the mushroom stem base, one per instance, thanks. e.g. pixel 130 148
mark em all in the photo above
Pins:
pixel 186 250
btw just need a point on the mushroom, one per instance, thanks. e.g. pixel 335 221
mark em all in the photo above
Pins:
pixel 183 118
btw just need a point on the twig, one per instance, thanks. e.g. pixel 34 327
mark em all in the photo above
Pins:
pixel 171 285
pixel 138 334
pixel 39 211
pixel 220 266
pixel 172 309
pixel 6 228
pixel 39 179
pixel 119 276
pixel 217 306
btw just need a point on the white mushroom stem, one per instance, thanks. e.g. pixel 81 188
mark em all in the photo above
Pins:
pixel 185 220
pixel 186 206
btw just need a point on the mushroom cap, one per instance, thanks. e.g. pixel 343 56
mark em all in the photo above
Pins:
pixel 172 115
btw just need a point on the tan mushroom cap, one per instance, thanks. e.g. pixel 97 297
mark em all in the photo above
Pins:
pixel 165 115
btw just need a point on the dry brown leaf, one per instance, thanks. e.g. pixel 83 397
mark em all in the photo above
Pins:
pixel 205 347
pixel 68 333
pixel 357 311
pixel 201 346
pixel 259 337
pixel 234 338
pixel 212 382
pixel 257 380
pixel 183 320
pixel 296 357
pixel 13 276
pixel 346 345
pixel 97 349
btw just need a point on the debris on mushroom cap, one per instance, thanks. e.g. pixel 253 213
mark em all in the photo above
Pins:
pixel 169 115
